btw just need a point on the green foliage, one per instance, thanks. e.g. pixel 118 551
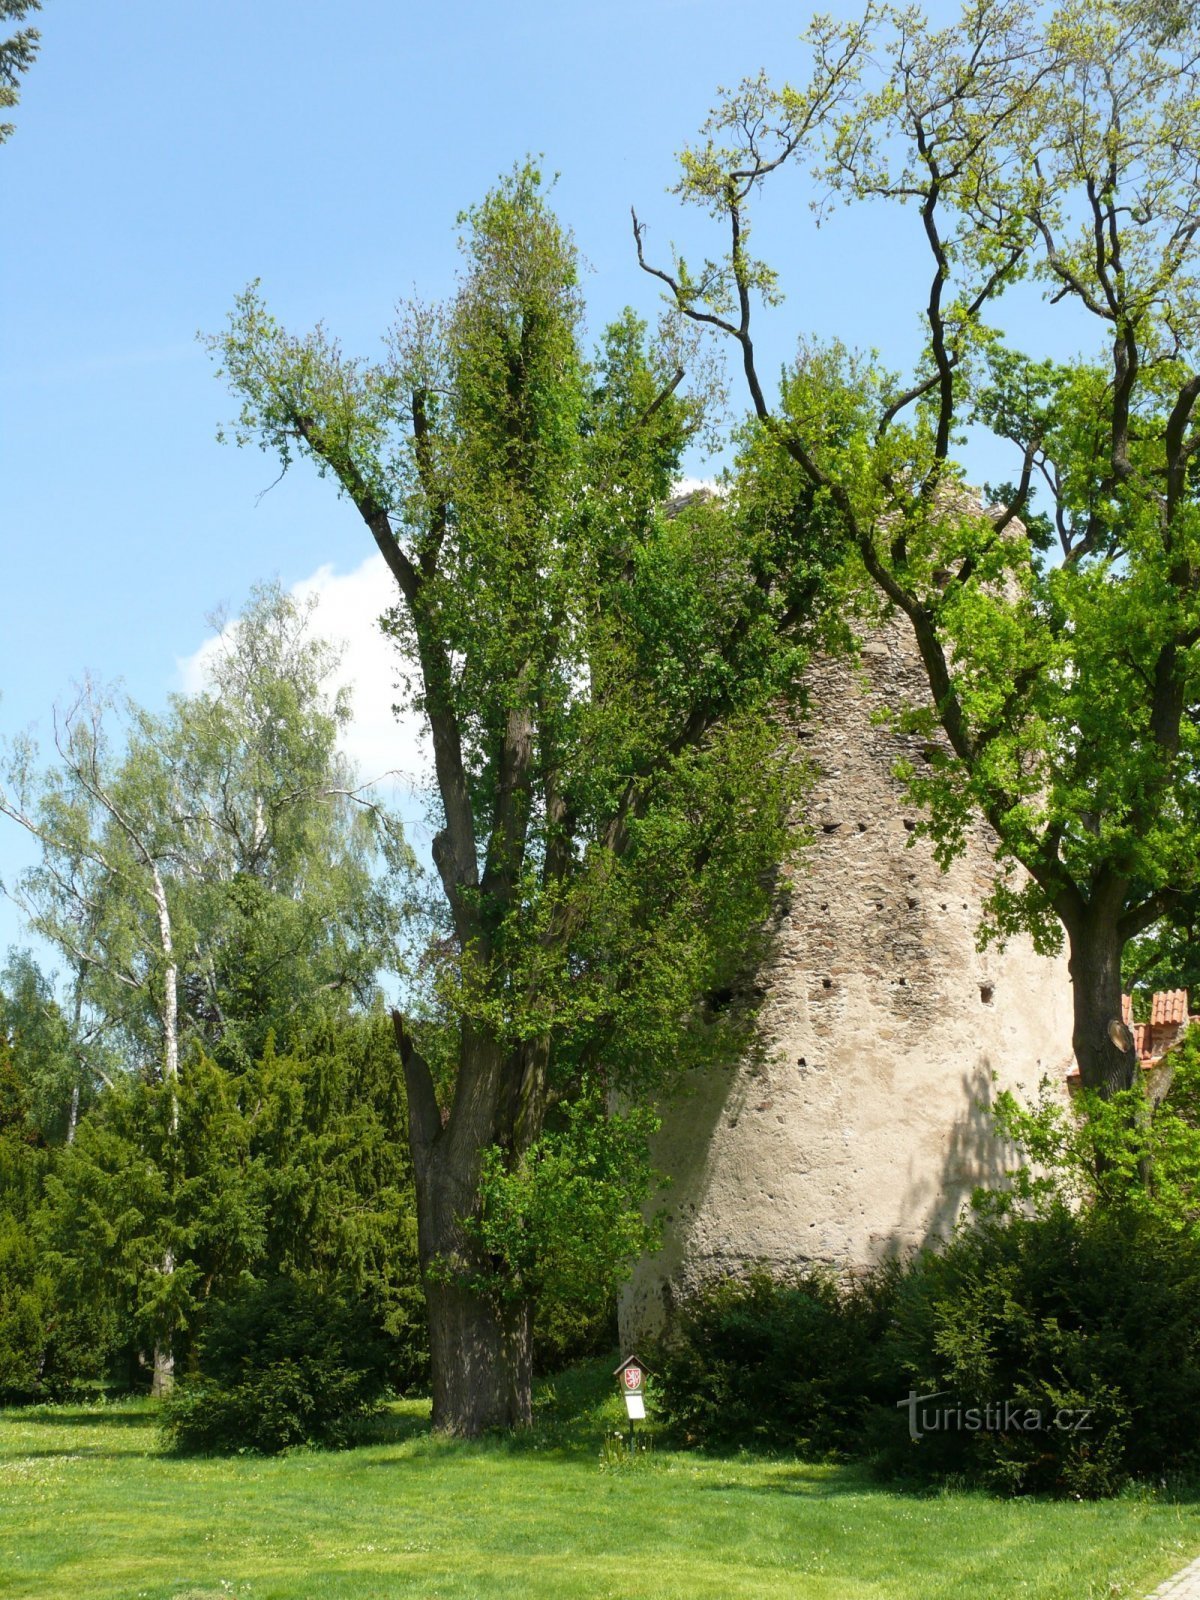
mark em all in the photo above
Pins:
pixel 566 1223
pixel 47 1053
pixel 1052 1345
pixel 616 1456
pixel 1087 1319
pixel 25 1287
pixel 1056 145
pixel 786 1363
pixel 216 873
pixel 46 1344
pixel 1056 1353
pixel 1166 956
pixel 526 505
pixel 17 53
pixel 26 1303
pixel 283 1364
pixel 565 1334
pixel 108 1221
pixel 293 878
pixel 224 892
pixel 1127 1151
pixel 602 682
pixel 297 1167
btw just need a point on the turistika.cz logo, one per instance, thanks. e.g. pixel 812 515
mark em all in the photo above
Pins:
pixel 1000 1416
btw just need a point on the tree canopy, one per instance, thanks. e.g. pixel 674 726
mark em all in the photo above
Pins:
pixel 599 679
pixel 218 1105
pixel 209 879
pixel 1060 646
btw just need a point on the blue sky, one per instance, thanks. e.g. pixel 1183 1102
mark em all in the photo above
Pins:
pixel 166 154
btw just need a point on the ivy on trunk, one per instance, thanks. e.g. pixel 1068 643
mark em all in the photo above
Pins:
pixel 600 681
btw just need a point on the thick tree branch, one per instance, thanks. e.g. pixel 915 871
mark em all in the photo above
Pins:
pixel 369 508
pixel 439 510
pixel 1145 914
pixel 660 399
pixel 1177 447
pixel 424 1116
pixel 453 852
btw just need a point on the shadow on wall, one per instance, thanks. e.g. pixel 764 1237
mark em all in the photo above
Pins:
pixel 974 1158
pixel 704 1100
pixel 711 1100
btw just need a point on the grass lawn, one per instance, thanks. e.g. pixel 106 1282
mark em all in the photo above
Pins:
pixel 89 1507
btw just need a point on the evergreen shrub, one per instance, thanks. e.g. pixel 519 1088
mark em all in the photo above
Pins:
pixel 283 1364
pixel 1085 1324
pixel 782 1363
pixel 1060 1353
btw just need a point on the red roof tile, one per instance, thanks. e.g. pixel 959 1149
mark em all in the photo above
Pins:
pixel 1169 1007
pixel 1168 1017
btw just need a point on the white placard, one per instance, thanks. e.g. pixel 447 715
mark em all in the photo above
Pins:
pixel 636 1407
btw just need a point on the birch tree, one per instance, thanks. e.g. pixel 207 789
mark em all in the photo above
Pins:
pixel 99 893
pixel 217 875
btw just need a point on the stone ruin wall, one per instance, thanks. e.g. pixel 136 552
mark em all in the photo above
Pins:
pixel 857 1128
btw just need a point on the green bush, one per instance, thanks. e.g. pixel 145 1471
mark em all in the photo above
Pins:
pixel 1053 1316
pixel 1056 1353
pixel 284 1364
pixel 564 1335
pixel 789 1363
pixel 25 1285
pixel 50 1344
pixel 24 1310
pixel 295 1168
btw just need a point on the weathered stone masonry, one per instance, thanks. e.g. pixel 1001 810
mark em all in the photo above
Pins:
pixel 858 1128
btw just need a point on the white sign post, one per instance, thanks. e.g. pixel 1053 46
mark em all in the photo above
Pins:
pixel 631 1376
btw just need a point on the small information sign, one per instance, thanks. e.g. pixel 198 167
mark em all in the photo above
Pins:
pixel 631 1379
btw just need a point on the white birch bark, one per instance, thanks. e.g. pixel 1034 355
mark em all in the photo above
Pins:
pixel 170 1015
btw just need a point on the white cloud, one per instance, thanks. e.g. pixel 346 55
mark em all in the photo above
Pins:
pixel 349 605
pixel 682 486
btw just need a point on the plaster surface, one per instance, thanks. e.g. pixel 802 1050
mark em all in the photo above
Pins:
pixel 858 1127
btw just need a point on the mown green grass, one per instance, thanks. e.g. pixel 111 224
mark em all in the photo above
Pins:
pixel 89 1506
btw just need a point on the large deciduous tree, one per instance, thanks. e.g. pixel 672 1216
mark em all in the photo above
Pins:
pixel 1060 647
pixel 598 680
pixel 215 870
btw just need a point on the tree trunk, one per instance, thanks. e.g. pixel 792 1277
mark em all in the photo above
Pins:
pixel 481 1359
pixel 73 1110
pixel 170 1016
pixel 1104 1047
pixel 480 1344
pixel 163 1380
pixel 480 1349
